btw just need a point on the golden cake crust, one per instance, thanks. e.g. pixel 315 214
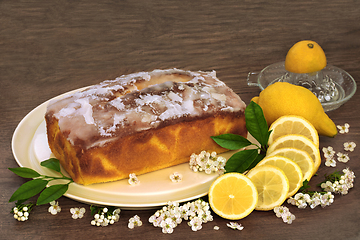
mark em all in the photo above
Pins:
pixel 142 152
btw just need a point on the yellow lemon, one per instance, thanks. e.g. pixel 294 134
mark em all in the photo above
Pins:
pixel 300 157
pixel 282 98
pixel 290 168
pixel 299 142
pixel 272 186
pixel 291 124
pixel 233 196
pixel 305 57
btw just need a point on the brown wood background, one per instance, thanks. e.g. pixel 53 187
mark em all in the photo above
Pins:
pixel 50 47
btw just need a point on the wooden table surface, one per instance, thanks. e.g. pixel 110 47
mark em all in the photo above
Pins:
pixel 51 47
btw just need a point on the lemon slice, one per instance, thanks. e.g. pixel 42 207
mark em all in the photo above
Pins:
pixel 290 168
pixel 301 157
pixel 272 186
pixel 233 196
pixel 299 142
pixel 291 124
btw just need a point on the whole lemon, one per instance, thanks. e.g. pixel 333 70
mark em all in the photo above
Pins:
pixel 282 98
pixel 305 57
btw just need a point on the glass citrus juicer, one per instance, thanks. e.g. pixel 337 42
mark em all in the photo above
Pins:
pixel 332 85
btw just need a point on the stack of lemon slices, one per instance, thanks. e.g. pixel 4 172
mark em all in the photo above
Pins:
pixel 292 157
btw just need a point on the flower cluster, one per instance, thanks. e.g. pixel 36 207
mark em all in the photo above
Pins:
pixel 134 222
pixel 313 199
pixel 198 212
pixel 285 214
pixel 54 208
pixel 176 177
pixel 21 211
pixel 235 226
pixel 104 216
pixel 133 180
pixel 329 154
pixel 339 183
pixel 207 162
pixel 77 212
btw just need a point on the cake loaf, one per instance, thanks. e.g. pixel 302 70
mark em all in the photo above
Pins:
pixel 141 122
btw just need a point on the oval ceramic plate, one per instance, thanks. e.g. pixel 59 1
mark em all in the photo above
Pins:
pixel 30 147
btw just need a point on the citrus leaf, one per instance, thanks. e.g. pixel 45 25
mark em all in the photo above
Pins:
pixel 94 209
pixel 241 161
pixel 52 193
pixel 256 123
pixel 25 172
pixel 256 161
pixel 29 189
pixel 231 141
pixel 51 163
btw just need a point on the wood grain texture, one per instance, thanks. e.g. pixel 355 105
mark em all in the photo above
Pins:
pixel 51 47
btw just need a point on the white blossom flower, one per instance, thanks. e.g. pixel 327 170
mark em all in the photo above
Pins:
pixel 291 201
pixel 195 224
pixel 315 200
pixel 343 185
pixel 54 208
pixel 77 212
pixel 328 152
pixel 349 146
pixel 207 162
pixel 330 162
pixel 281 210
pixel 348 177
pixel 216 228
pixel 176 177
pixel 104 217
pixel 342 157
pixel 284 213
pixel 288 217
pixel 168 225
pixel 344 128
pixel 197 212
pixel 133 180
pixel 327 186
pixel 235 226
pixel 302 199
pixel 21 211
pixel 134 222
pixel 327 199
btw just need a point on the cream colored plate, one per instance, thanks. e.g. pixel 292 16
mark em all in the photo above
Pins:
pixel 30 147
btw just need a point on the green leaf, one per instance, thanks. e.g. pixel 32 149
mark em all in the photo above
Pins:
pixel 52 163
pixel 52 193
pixel 241 161
pixel 231 141
pixel 29 189
pixel 305 186
pixel 258 158
pixel 25 172
pixel 256 123
pixel 94 209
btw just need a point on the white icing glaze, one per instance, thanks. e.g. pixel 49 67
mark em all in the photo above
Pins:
pixel 140 101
